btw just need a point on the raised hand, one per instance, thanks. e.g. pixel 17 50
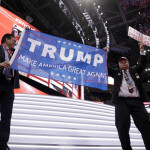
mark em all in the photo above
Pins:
pixel 142 46
pixel 106 48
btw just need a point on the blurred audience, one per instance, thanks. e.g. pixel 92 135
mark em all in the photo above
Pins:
pixel 143 18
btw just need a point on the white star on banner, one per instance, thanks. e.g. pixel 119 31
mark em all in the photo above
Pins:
pixel 74 44
pixel 69 77
pixel 52 73
pixel 63 76
pixel 64 42
pixel 69 43
pixel 57 74
pixel 74 78
pixel 59 41
pixel 79 46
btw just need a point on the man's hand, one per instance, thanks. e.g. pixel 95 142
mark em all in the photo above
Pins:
pixel 142 46
pixel 106 49
pixel 5 64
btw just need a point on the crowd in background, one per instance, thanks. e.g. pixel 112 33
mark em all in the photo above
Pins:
pixel 143 18
pixel 140 4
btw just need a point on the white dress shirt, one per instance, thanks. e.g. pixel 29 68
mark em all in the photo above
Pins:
pixel 124 91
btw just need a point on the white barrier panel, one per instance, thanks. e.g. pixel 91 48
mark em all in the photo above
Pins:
pixel 54 123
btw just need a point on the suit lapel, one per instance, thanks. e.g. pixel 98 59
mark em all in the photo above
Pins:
pixel 120 73
pixel 132 73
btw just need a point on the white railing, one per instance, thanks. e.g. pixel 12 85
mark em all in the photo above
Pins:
pixel 57 123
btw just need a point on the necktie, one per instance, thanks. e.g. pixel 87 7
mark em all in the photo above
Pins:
pixel 10 53
pixel 129 82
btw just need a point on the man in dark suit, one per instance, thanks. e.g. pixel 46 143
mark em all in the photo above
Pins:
pixel 9 79
pixel 128 96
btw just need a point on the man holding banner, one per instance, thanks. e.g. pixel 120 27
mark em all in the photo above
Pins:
pixel 9 79
pixel 128 97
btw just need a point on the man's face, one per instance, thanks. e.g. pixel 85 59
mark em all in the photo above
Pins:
pixel 123 64
pixel 11 43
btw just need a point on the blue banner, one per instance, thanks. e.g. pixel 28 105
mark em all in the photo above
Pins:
pixel 59 59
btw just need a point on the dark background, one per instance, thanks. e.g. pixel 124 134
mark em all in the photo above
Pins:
pixel 48 17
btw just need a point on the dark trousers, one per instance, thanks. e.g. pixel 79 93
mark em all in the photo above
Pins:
pixel 134 107
pixel 6 105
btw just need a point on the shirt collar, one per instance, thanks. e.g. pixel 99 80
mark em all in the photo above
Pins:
pixel 5 47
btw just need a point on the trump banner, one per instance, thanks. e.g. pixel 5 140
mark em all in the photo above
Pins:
pixel 59 59
pixel 138 36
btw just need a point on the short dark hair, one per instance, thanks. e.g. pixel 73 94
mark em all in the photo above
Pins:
pixel 6 36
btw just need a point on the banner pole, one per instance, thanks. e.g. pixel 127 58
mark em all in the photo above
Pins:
pixel 82 92
pixel 18 46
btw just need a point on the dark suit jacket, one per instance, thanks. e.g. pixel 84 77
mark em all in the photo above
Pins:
pixel 135 73
pixel 15 79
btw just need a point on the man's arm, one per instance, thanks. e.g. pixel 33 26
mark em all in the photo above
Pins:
pixel 142 46
pixel 143 59
pixel 111 68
